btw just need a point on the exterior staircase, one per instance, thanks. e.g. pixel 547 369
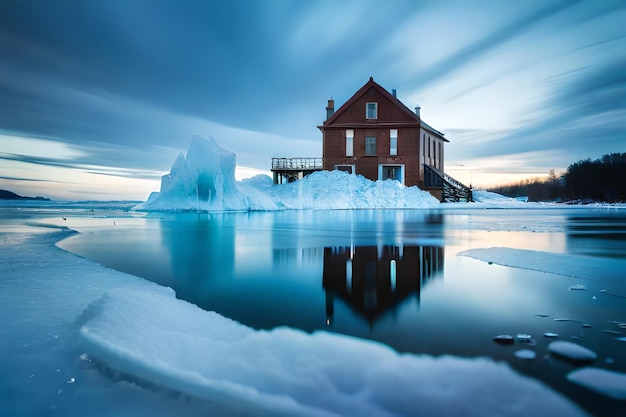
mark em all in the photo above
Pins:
pixel 451 189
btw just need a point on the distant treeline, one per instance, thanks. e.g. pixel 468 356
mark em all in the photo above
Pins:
pixel 9 195
pixel 603 180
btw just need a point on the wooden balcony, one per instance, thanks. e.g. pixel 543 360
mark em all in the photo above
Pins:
pixel 292 169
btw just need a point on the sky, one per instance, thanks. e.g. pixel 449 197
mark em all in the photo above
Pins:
pixel 98 97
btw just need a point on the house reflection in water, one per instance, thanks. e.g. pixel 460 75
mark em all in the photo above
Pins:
pixel 372 280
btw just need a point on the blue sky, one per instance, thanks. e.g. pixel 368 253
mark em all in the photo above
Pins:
pixel 97 98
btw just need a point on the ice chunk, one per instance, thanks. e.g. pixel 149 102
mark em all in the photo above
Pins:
pixel 577 287
pixel 205 180
pixel 609 383
pixel 572 351
pixel 549 334
pixel 579 266
pixel 154 337
pixel 504 339
pixel 523 337
pixel 526 354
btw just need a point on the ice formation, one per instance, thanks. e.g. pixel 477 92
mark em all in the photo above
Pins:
pixel 609 383
pixel 205 181
pixel 152 336
pixel 526 354
pixel 340 190
pixel 572 351
pixel 578 266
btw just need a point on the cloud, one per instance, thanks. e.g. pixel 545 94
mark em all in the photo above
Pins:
pixel 590 106
pixel 126 84
pixel 473 51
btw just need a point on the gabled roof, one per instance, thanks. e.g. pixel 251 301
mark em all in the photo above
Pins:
pixel 362 91
pixel 432 130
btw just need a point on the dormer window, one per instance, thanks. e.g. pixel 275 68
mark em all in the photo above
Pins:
pixel 371 111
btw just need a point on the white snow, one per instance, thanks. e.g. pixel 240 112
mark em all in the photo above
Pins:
pixel 481 196
pixel 609 383
pixel 572 351
pixel 204 180
pixel 340 190
pixel 150 335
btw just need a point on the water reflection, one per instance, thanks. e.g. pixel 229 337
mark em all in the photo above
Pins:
pixel 597 234
pixel 373 280
pixel 201 249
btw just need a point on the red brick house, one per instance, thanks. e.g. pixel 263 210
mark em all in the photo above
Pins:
pixel 373 134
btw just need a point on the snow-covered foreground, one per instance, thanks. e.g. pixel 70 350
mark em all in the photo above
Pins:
pixel 287 372
pixel 72 319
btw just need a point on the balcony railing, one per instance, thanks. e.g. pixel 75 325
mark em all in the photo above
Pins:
pixel 296 164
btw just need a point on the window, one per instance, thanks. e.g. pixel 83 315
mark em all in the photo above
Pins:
pixel 349 142
pixel 370 145
pixel 393 142
pixel 372 111
pixel 345 168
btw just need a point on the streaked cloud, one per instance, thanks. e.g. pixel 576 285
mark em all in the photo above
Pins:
pixel 115 89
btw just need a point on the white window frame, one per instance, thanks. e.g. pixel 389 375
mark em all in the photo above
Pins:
pixel 349 142
pixel 342 167
pixel 401 178
pixel 393 142
pixel 367 148
pixel 374 106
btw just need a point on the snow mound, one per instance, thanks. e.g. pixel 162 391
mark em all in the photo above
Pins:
pixel 205 181
pixel 258 181
pixel 481 196
pixel 491 199
pixel 152 336
pixel 340 190
pixel 609 383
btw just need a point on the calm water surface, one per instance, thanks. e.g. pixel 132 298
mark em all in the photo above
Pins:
pixel 390 276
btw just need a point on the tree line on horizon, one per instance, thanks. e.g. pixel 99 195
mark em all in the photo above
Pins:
pixel 600 180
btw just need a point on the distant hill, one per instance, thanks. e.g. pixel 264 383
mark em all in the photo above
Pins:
pixel 8 195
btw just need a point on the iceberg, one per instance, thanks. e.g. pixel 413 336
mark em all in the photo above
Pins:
pixel 204 180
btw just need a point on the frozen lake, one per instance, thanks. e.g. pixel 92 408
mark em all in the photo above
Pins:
pixel 392 276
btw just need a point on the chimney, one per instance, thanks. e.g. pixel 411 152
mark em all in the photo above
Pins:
pixel 330 109
pixel 417 111
pixel 393 92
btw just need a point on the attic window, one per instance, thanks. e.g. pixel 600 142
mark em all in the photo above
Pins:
pixel 371 111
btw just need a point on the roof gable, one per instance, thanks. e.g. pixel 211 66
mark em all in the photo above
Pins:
pixel 371 84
